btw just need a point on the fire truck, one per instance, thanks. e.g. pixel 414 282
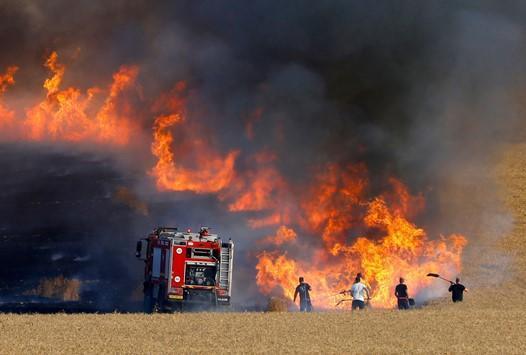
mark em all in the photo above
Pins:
pixel 184 270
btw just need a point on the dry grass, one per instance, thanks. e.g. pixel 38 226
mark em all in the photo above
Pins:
pixel 485 323
pixel 59 288
pixel 447 329
pixel 511 171
pixel 276 304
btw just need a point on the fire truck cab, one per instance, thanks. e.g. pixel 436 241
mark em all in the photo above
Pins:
pixel 185 268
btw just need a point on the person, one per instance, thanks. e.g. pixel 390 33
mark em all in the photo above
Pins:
pixel 457 290
pixel 358 289
pixel 402 295
pixel 303 290
pixel 363 280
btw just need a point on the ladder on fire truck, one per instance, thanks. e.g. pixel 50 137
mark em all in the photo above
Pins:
pixel 225 262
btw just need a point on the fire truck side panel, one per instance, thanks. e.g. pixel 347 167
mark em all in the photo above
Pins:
pixel 156 263
pixel 165 263
pixel 160 260
pixel 178 266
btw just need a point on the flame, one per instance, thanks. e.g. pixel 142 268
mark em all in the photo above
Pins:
pixel 52 84
pixel 7 79
pixel 266 221
pixel 7 116
pixel 392 246
pixel 258 195
pixel 212 172
pixel 274 270
pixel 257 189
pixel 328 228
pixel 111 126
pixel 335 199
pixel 66 114
pixel 283 235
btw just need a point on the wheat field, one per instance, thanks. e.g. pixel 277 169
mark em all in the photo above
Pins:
pixel 443 330
pixel 491 320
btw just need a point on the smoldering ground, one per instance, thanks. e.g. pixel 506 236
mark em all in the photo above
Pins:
pixel 422 91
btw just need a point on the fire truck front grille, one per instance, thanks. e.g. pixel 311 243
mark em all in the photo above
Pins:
pixel 199 275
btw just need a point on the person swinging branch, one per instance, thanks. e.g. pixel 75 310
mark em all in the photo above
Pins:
pixel 457 291
pixel 358 291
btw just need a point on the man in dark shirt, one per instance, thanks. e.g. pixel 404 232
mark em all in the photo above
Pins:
pixel 457 290
pixel 401 295
pixel 303 290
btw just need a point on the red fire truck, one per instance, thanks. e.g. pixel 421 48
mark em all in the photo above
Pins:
pixel 184 269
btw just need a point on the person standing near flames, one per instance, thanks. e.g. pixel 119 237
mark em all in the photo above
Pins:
pixel 457 290
pixel 358 292
pixel 402 295
pixel 303 290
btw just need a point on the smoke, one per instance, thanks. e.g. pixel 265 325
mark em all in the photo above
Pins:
pixel 460 123
pixel 426 92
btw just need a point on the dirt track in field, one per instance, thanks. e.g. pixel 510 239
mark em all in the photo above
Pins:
pixel 491 320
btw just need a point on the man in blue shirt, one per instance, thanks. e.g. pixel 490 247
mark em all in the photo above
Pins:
pixel 303 290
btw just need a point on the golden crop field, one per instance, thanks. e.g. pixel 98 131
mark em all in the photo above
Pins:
pixel 491 320
pixel 445 330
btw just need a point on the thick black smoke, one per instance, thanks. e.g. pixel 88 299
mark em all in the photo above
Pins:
pixel 430 89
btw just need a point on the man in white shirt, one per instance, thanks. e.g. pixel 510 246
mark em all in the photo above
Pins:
pixel 359 291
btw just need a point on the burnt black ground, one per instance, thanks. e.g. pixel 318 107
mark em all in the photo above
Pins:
pixel 58 217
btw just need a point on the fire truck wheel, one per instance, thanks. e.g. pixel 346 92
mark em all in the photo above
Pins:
pixel 148 303
pixel 177 307
pixel 149 300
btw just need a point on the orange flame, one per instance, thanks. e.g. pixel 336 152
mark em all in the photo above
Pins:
pixel 283 235
pixel 274 270
pixel 271 220
pixel 6 116
pixel 336 198
pixel 259 189
pixel 211 172
pixel 328 229
pixel 396 247
pixel 7 79
pixel 256 189
pixel 52 84
pixel 65 114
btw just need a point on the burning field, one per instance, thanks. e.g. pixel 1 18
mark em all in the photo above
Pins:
pixel 326 140
pixel 439 327
pixel 327 227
